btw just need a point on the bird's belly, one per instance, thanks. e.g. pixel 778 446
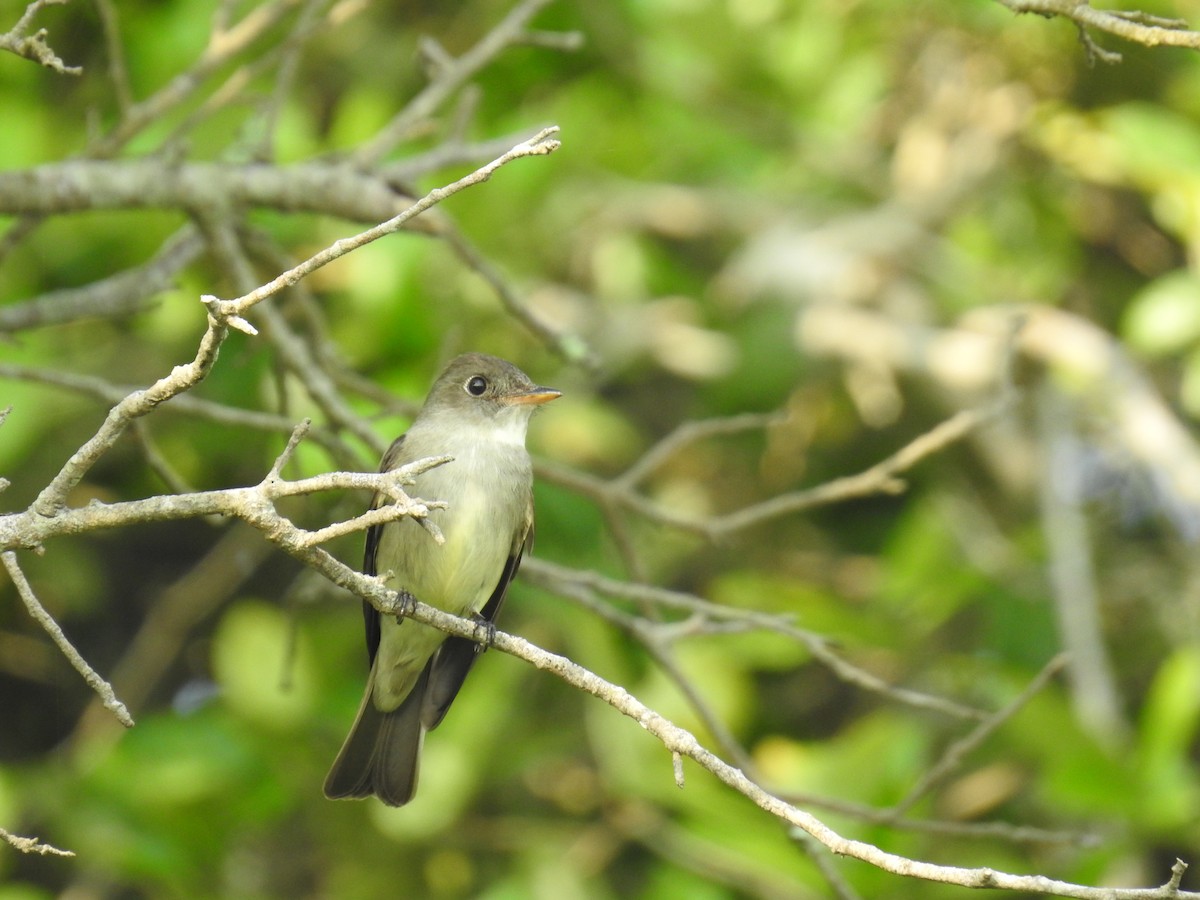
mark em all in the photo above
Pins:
pixel 456 576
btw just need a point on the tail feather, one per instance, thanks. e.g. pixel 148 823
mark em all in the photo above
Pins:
pixel 382 753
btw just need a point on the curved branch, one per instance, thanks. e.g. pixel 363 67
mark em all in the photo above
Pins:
pixel 1132 25
pixel 80 185
pixel 32 528
pixel 32 845
pixel 33 46
pixel 231 311
pixel 677 740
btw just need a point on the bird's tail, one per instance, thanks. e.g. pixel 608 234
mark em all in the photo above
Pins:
pixel 382 753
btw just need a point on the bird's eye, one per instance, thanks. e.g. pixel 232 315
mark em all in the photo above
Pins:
pixel 476 386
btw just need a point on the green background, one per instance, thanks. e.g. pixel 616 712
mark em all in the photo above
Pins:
pixel 727 169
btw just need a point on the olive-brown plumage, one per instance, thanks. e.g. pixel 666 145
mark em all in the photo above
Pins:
pixel 477 412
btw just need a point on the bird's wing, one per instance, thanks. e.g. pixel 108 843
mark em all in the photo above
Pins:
pixel 455 657
pixel 391 459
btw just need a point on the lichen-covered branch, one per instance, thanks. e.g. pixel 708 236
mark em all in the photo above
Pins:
pixel 18 40
pixel 1134 26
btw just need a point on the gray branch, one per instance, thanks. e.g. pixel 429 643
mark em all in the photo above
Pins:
pixel 122 294
pixel 83 185
pixel 18 40
pixel 1131 25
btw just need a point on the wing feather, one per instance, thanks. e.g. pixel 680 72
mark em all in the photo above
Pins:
pixel 454 659
pixel 391 459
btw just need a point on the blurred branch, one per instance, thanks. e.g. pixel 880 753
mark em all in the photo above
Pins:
pixel 881 478
pixel 52 499
pixel 1132 25
pixel 711 859
pixel 38 613
pixel 568 346
pixel 31 845
pixel 284 57
pixel 18 40
pixel 218 413
pixel 79 185
pixel 953 756
pixel 450 75
pixel 31 528
pixel 231 311
pixel 1091 367
pixel 581 587
pixel 171 618
pixel 114 47
pixel 677 740
pixel 1072 571
pixel 1005 831
pixel 122 294
pixel 224 44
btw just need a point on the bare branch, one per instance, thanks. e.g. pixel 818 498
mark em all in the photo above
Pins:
pixel 224 44
pixel 98 388
pixel 570 347
pixel 578 586
pixel 881 478
pixel 31 845
pixel 453 152
pixel 1132 25
pixel 31 529
pixel 33 46
pixel 78 185
pixel 118 70
pixel 452 75
pixel 1071 564
pixel 955 753
pixel 43 618
pixel 677 740
pixel 122 294
pixel 540 144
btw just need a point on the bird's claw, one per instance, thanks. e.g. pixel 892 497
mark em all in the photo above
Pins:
pixel 489 633
pixel 405 604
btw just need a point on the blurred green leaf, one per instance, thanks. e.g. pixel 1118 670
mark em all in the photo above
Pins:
pixel 263 666
pixel 1165 317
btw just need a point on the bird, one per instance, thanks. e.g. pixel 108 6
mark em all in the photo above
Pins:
pixel 477 413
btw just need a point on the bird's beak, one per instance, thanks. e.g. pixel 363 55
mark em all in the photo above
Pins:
pixel 535 397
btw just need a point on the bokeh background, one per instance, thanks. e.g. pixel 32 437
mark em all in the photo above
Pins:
pixel 860 216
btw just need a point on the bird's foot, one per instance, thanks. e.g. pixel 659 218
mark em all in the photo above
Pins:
pixel 489 633
pixel 405 604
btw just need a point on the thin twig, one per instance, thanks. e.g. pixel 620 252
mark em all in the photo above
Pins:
pixel 572 583
pixel 33 46
pixel 121 294
pixel 231 311
pixel 953 756
pixel 224 44
pixel 451 77
pixel 681 741
pixel 218 413
pixel 32 845
pixel 572 348
pixel 1136 27
pixel 38 613
pixel 881 478
pixel 114 50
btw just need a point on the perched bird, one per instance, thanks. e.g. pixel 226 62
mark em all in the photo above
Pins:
pixel 477 412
